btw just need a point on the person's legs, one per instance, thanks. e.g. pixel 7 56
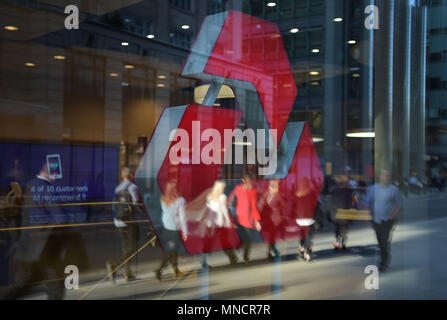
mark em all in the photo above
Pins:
pixel 338 236
pixel 308 243
pixel 22 275
pixel 275 250
pixel 128 247
pixel 169 246
pixel 246 237
pixel 381 239
pixel 344 236
pixel 55 283
pixel 247 249
pixel 174 254
pixel 164 262
pixel 232 256
pixel 387 228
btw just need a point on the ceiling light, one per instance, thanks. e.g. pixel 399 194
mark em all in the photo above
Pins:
pixel 30 64
pixel 113 74
pixel 241 143
pixel 11 28
pixel 129 66
pixel 59 57
pixel 160 85
pixel 271 4
pixel 315 50
pixel 124 43
pixel 162 77
pixel 150 36
pixel 317 139
pixel 352 42
pixel 314 73
pixel 337 19
pixel 361 133
pixel 185 27
pixel 294 30
pixel 356 75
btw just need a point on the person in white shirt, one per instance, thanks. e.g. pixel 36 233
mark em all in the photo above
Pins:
pixel 218 218
pixel 173 220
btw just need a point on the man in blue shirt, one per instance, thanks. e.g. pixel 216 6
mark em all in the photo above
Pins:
pixel 384 202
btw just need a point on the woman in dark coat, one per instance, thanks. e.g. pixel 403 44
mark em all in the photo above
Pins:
pixel 271 205
pixel 304 205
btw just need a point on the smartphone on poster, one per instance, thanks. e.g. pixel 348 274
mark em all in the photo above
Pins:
pixel 54 166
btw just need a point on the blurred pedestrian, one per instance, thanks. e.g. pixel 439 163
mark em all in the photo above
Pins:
pixel 218 219
pixel 173 220
pixel 39 254
pixel 342 197
pixel 128 198
pixel 304 205
pixel 271 205
pixel 384 202
pixel 248 216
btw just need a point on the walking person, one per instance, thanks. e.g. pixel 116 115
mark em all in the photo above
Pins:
pixel 341 197
pixel 219 220
pixel 173 221
pixel 271 205
pixel 304 205
pixel 39 254
pixel 247 213
pixel 384 202
pixel 128 196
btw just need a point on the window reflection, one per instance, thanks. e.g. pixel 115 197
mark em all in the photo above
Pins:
pixel 77 106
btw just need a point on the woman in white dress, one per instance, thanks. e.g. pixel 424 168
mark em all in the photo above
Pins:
pixel 218 220
pixel 173 219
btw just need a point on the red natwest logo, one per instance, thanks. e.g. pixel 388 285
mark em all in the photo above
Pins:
pixel 181 173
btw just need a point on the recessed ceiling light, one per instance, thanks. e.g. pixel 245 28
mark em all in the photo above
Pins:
pixel 150 36
pixel 30 64
pixel 361 133
pixel 317 139
pixel 11 28
pixel 294 30
pixel 162 77
pixel 337 19
pixel 315 50
pixel 160 85
pixel 185 27
pixel 113 74
pixel 124 43
pixel 129 66
pixel 314 73
pixel 59 57
pixel 356 75
pixel 271 4
pixel 243 143
pixel 352 42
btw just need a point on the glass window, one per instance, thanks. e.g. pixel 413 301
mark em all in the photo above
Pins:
pixel 132 140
